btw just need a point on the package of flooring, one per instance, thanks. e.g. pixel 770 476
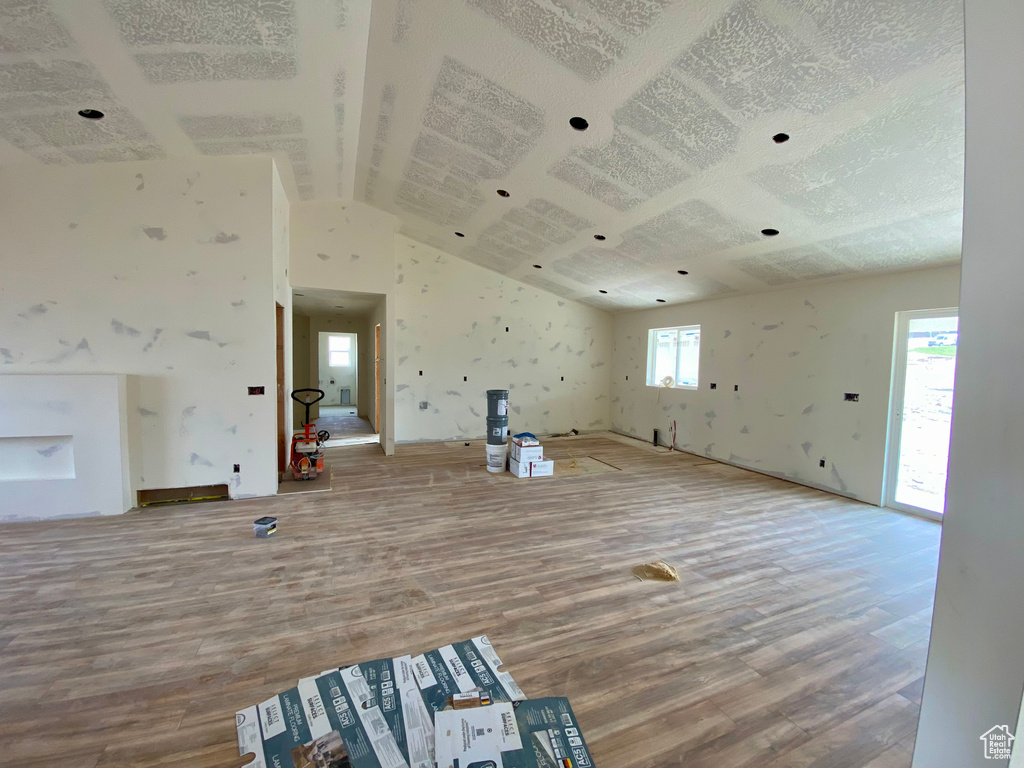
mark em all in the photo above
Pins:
pixel 321 723
pixel 391 685
pixel 464 667
pixel 537 733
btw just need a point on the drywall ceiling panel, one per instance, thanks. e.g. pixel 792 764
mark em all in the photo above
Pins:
pixel 426 110
pixel 677 168
pixel 186 78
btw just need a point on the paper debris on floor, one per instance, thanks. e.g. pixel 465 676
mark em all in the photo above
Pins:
pixel 657 571
pixel 387 713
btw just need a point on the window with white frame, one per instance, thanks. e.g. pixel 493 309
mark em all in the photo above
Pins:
pixel 339 351
pixel 673 357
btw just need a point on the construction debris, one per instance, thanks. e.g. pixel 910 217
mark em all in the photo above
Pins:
pixel 656 571
pixel 390 713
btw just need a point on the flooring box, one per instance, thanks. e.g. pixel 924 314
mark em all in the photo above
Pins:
pixel 471 665
pixel 376 714
pixel 319 722
pixel 527 453
pixel 537 733
pixel 531 468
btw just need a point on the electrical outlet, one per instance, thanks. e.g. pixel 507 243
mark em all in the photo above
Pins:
pixel 851 397
pixel 257 390
pixel 735 387
pixel 238 468
pixel 821 463
pixel 423 405
pixel 714 385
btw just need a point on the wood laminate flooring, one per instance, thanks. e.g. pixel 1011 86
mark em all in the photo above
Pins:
pixel 796 638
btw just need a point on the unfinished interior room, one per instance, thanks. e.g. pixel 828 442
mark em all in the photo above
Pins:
pixel 534 383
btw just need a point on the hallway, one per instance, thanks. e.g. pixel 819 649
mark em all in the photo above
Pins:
pixel 345 425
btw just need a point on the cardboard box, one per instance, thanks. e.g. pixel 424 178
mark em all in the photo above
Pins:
pixel 377 714
pixel 542 468
pixel 517 469
pixel 532 468
pixel 537 733
pixel 527 453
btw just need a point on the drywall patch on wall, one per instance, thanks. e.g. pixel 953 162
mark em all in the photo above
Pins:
pixel 789 410
pixel 456 330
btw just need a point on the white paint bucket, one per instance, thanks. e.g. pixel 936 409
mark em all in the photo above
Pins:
pixel 496 457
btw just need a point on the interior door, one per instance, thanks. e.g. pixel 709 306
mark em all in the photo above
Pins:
pixel 921 411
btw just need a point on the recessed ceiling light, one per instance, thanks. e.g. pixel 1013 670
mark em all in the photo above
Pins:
pixel 599 237
pixel 660 301
pixel 503 193
pixel 537 266
pixel 780 138
pixel 600 291
pixel 579 123
pixel 459 234
pixel 90 114
pixel 682 272
pixel 769 232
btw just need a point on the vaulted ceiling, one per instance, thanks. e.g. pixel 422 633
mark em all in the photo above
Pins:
pixel 427 108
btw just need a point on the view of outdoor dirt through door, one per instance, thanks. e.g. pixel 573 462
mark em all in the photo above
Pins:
pixel 927 412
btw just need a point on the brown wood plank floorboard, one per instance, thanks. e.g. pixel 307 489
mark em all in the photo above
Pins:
pixel 797 636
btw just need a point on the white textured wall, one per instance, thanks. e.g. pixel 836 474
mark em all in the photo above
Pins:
pixel 342 245
pixel 162 270
pixel 349 246
pixel 451 320
pixel 975 671
pixel 793 353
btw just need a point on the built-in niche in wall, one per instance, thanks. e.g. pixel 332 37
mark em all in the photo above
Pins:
pixel 37 458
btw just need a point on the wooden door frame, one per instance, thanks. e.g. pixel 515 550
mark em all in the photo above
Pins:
pixel 376 378
pixel 282 404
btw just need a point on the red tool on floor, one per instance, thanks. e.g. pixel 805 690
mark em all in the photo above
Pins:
pixel 307 455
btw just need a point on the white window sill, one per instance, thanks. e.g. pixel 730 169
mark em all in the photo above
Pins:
pixel 680 386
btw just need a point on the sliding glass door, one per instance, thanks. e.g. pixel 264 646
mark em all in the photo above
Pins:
pixel 921 411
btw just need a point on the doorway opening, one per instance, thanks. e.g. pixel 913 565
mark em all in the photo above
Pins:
pixel 334 351
pixel 921 411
